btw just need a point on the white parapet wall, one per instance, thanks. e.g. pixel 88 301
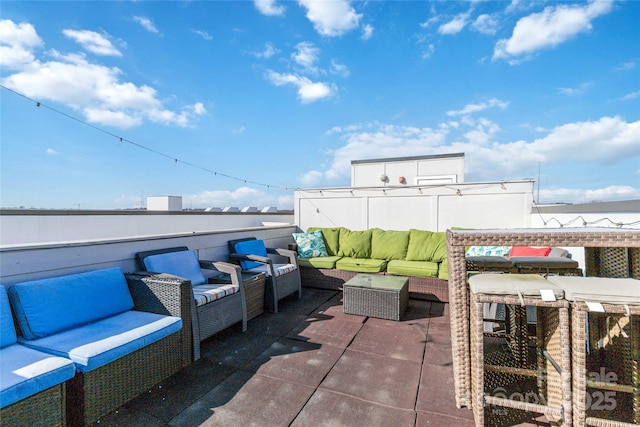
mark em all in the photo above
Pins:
pixel 429 207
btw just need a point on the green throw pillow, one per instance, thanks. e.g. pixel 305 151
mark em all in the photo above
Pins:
pixel 331 238
pixel 389 244
pixel 355 244
pixel 427 246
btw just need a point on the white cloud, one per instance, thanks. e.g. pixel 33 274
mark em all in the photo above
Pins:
pixel 269 7
pixel 240 197
pixel 549 28
pixel 575 91
pixel 367 32
pixel 268 52
pixel 306 55
pixel 51 152
pixel 429 22
pixel 485 24
pixel 456 25
pixel 626 66
pixel 93 42
pixel 339 69
pixel 573 195
pixel 331 18
pixel 308 91
pixel 475 108
pixel 203 34
pixel 146 23
pixel 632 95
pixel 604 141
pixel 17 43
pixel 311 178
pixel 95 90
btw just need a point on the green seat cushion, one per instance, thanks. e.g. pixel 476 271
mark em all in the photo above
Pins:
pixel 413 268
pixel 328 262
pixel 427 246
pixel 443 270
pixel 355 244
pixel 389 244
pixel 361 265
pixel 331 238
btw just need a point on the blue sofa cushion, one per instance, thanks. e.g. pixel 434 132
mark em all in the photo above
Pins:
pixel 25 372
pixel 7 328
pixel 251 247
pixel 96 344
pixel 45 307
pixel 183 264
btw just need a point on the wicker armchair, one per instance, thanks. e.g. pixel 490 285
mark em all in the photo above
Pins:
pixel 281 279
pixel 214 307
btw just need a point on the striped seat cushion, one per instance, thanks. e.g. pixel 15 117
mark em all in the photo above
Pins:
pixel 279 269
pixel 204 294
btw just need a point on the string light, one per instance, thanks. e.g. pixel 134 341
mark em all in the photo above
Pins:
pixel 143 147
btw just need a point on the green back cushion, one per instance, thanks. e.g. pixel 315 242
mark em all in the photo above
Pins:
pixel 331 239
pixel 427 246
pixel 355 244
pixel 389 244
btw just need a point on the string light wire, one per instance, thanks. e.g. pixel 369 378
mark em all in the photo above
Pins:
pixel 122 139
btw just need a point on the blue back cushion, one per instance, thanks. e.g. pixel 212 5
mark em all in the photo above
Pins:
pixel 183 264
pixel 45 307
pixel 7 329
pixel 251 247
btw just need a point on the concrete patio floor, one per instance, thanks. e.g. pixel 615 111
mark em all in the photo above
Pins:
pixel 313 365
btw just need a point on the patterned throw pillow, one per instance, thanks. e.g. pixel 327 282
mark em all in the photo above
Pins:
pixel 310 245
pixel 489 251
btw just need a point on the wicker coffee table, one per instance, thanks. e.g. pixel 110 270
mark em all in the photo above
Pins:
pixel 375 295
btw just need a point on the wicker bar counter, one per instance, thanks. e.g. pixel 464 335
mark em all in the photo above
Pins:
pixel 609 252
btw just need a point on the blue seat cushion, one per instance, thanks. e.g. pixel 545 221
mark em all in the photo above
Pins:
pixel 48 306
pixel 183 264
pixel 96 344
pixel 25 372
pixel 251 247
pixel 7 328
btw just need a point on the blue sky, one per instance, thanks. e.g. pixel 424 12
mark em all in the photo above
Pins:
pixel 236 103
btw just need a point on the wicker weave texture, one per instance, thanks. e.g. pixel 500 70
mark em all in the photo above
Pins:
pixel 43 409
pixel 375 302
pixel 606 371
pixel 219 315
pixel 94 394
pixel 424 288
pixel 254 293
pixel 553 393
pixel 459 292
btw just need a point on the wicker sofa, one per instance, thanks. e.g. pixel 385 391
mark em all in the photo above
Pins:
pixel 32 383
pixel 124 334
pixel 419 255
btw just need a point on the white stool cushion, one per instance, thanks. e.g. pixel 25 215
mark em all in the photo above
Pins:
pixel 606 290
pixel 527 285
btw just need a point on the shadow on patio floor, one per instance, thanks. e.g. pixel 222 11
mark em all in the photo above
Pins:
pixel 313 365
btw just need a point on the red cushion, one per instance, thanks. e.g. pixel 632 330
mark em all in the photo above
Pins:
pixel 528 251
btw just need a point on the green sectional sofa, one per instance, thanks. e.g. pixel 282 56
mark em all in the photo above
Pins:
pixel 342 253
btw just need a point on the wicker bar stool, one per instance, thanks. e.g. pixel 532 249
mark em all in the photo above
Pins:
pixel 512 376
pixel 605 314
